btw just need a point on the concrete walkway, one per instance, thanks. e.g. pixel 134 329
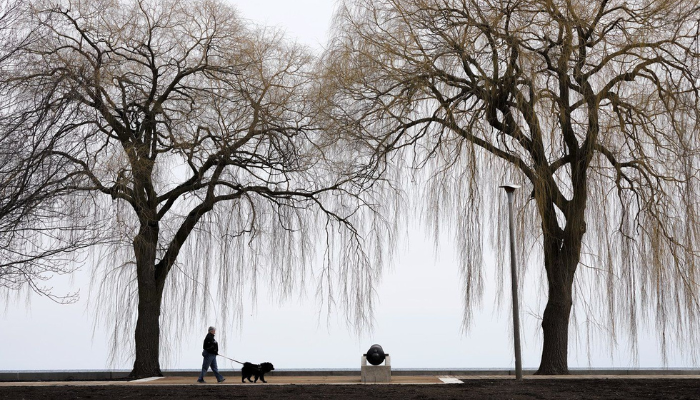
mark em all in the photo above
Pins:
pixel 235 380
pixel 331 380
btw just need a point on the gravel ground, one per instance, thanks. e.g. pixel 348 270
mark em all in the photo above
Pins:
pixel 470 389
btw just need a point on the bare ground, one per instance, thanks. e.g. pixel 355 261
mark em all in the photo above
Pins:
pixel 470 389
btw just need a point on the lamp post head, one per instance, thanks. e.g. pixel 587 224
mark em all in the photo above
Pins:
pixel 510 188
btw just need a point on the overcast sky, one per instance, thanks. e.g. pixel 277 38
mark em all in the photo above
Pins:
pixel 418 317
pixel 307 21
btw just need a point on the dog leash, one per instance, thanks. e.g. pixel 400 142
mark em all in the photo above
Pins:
pixel 230 359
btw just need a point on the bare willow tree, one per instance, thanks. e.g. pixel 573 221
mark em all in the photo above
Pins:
pixel 593 106
pixel 13 37
pixel 197 127
pixel 41 232
pixel 42 227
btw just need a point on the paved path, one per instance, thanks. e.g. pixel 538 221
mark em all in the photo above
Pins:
pixel 332 380
pixel 235 380
pixel 576 377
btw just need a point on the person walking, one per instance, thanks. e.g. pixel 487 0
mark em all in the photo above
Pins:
pixel 211 350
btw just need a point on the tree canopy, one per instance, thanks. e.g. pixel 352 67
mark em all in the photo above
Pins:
pixel 42 227
pixel 591 106
pixel 195 130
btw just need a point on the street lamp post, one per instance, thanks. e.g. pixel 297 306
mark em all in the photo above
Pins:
pixel 514 283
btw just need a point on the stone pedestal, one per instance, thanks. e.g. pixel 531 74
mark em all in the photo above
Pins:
pixel 375 373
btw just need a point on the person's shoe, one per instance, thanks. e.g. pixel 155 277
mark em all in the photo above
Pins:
pixel 200 381
pixel 221 381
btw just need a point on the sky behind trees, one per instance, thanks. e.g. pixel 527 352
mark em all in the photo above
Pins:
pixel 417 321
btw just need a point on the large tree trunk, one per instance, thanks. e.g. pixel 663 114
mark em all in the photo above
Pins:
pixel 147 338
pixel 150 290
pixel 555 321
pixel 151 281
pixel 562 251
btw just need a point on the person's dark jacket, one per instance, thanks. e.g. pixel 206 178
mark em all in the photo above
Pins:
pixel 210 344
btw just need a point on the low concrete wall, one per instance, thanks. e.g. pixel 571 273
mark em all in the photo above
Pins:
pixel 102 375
pixel 79 375
pixel 355 372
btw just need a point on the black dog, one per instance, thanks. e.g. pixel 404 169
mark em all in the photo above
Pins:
pixel 259 370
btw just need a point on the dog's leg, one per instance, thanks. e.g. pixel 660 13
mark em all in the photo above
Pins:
pixel 262 378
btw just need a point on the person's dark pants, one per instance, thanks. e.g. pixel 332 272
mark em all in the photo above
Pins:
pixel 210 361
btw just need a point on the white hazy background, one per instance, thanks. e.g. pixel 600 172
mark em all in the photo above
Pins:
pixel 418 312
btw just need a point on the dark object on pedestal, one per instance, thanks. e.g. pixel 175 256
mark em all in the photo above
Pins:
pixel 375 355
